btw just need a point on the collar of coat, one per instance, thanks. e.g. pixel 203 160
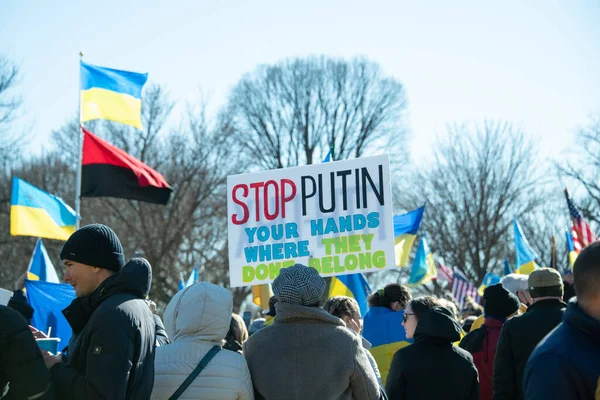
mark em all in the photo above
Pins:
pixel 287 313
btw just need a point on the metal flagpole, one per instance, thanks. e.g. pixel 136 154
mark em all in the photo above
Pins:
pixel 80 155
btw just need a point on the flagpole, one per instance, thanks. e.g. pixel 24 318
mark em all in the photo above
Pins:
pixel 79 155
pixel 553 261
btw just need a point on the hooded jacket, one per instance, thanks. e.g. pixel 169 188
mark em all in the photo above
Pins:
pixel 196 319
pixel 309 354
pixel 482 343
pixel 566 364
pixel 111 352
pixel 21 364
pixel 433 368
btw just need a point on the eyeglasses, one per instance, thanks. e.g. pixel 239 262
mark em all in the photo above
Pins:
pixel 405 316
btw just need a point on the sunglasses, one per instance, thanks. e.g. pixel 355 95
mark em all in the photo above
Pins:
pixel 405 316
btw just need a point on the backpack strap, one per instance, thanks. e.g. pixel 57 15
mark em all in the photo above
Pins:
pixel 203 363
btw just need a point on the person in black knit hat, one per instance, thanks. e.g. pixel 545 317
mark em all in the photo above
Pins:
pixel 111 352
pixel 498 305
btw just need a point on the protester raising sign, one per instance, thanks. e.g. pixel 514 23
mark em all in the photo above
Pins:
pixel 335 217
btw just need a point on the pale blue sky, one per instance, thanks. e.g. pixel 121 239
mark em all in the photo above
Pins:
pixel 536 63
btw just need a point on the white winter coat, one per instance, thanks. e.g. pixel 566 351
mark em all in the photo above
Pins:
pixel 196 319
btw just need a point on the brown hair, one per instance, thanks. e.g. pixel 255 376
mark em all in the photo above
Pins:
pixel 340 306
pixel 390 294
pixel 422 304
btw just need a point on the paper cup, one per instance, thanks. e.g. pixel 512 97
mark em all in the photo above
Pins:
pixel 49 344
pixel 5 296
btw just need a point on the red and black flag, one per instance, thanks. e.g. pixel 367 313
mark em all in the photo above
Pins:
pixel 108 171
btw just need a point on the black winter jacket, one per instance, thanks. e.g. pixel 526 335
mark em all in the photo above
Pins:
pixel 566 364
pixel 433 368
pixel 518 339
pixel 111 353
pixel 21 364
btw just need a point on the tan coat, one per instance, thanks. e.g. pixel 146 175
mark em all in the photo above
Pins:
pixel 309 354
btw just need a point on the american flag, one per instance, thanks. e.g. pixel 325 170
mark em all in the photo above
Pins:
pixel 583 233
pixel 444 272
pixel 576 243
pixel 461 288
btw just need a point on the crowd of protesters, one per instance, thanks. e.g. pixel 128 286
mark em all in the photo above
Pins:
pixel 535 337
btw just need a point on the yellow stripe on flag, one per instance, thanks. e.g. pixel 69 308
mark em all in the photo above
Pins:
pixel 99 103
pixel 30 221
pixel 403 245
pixel 261 295
pixel 526 268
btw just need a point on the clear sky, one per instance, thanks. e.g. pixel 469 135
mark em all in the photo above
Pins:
pixel 534 62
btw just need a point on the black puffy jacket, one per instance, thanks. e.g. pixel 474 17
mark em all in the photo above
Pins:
pixel 111 353
pixel 433 368
pixel 21 364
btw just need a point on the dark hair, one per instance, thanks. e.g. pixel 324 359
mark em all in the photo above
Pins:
pixel 547 291
pixel 586 272
pixel 422 304
pixel 340 306
pixel 389 294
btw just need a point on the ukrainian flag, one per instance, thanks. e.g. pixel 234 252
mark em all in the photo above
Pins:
pixel 34 212
pixel 571 248
pixel 352 285
pixel 525 255
pixel 423 269
pixel 507 268
pixel 405 232
pixel 111 94
pixel 261 295
pixel 40 267
pixel 383 329
pixel 488 280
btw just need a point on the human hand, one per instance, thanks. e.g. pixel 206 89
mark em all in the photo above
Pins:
pixel 50 359
pixel 37 333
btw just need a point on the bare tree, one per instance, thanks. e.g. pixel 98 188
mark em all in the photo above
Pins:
pixel 478 180
pixel 292 113
pixel 10 137
pixel 584 171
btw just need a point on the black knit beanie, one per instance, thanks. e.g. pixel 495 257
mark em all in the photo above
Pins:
pixel 499 302
pixel 96 245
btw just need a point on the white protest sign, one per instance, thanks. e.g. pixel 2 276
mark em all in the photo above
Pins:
pixel 335 217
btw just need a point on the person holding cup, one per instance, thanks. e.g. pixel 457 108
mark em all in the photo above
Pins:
pixel 23 374
pixel 111 352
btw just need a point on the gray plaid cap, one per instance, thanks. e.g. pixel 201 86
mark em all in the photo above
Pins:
pixel 299 285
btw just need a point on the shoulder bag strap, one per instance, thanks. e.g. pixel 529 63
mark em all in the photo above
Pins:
pixel 203 363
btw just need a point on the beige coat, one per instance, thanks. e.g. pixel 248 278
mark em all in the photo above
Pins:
pixel 309 354
pixel 196 319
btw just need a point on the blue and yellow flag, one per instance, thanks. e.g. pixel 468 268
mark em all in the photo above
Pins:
pixel 507 268
pixel 111 94
pixel 406 227
pixel 525 255
pixel 34 212
pixel 261 295
pixel 423 269
pixel 571 249
pixel 488 280
pixel 40 267
pixel 352 285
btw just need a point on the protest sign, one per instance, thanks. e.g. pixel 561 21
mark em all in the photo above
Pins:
pixel 335 217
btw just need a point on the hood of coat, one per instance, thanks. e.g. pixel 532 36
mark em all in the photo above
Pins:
pixel 437 325
pixel 134 278
pixel 201 312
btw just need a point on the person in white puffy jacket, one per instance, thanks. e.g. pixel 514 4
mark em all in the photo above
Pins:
pixel 196 319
